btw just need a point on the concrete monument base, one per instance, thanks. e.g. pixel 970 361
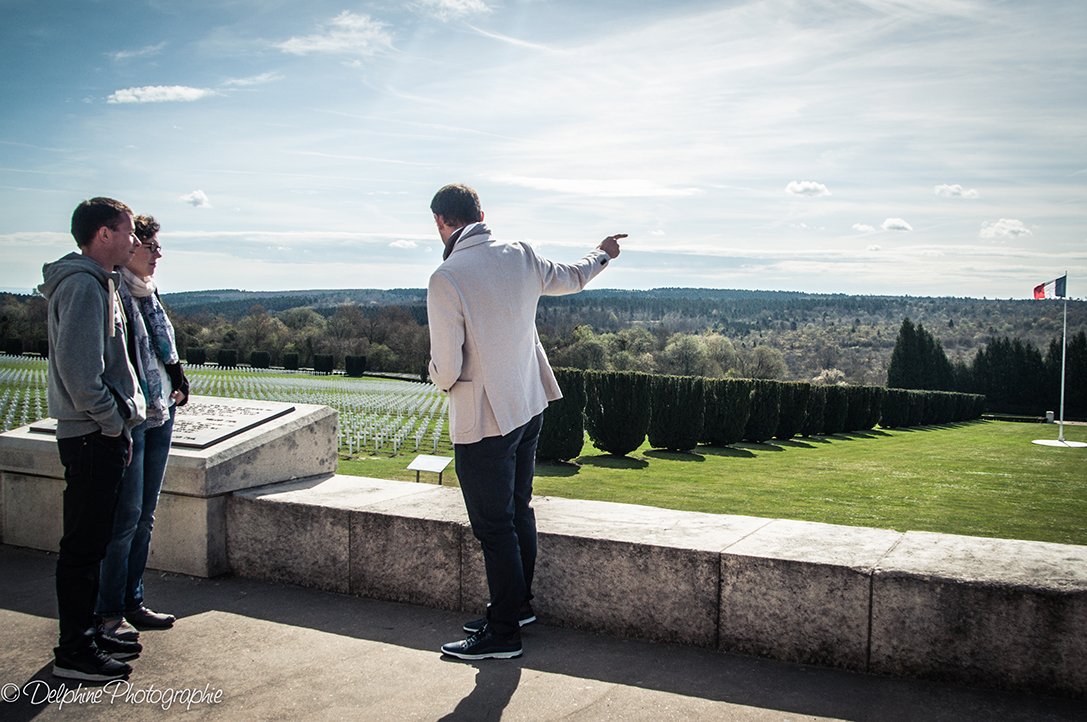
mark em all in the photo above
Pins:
pixel 220 446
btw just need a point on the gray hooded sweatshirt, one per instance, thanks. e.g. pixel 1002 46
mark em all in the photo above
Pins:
pixel 92 385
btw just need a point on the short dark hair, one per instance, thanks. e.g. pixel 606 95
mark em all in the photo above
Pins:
pixel 91 215
pixel 146 227
pixel 457 204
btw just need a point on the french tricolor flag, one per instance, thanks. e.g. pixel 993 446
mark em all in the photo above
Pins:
pixel 1052 289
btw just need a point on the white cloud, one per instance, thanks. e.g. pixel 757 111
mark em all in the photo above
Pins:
pixel 875 249
pixel 402 243
pixel 197 199
pixel 346 34
pixel 261 79
pixel 160 94
pixel 955 191
pixel 601 188
pixel 807 188
pixel 146 51
pixel 863 228
pixel 1004 228
pixel 896 224
pixel 452 9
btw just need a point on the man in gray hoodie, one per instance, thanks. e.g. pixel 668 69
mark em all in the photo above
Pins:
pixel 95 397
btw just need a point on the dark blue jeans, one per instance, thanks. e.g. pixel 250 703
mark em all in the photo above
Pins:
pixel 93 468
pixel 496 480
pixel 121 587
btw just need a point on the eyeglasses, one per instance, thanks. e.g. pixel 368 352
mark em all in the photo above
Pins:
pixel 152 247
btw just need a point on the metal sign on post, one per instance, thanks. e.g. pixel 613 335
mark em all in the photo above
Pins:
pixel 428 462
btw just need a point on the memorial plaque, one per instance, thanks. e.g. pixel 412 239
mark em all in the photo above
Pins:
pixel 207 420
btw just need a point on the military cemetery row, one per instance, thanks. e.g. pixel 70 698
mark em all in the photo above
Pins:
pixel 376 416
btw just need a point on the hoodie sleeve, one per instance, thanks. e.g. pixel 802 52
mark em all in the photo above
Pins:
pixel 79 355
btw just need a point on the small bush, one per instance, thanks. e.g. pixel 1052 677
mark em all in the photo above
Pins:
pixel 322 363
pixel 227 358
pixel 260 359
pixel 290 361
pixel 196 356
pixel 354 365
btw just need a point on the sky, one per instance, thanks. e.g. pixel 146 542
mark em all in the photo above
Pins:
pixel 904 147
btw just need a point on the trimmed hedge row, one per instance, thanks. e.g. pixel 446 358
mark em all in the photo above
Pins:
pixel 622 408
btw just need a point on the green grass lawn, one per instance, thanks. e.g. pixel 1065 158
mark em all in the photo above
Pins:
pixel 982 478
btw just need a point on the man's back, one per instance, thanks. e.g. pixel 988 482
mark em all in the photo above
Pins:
pixel 485 350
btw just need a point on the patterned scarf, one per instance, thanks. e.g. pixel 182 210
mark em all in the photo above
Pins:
pixel 154 337
pixel 472 229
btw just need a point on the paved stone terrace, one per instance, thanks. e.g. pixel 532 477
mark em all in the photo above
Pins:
pixel 276 652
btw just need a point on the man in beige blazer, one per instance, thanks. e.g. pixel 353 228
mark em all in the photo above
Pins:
pixel 485 352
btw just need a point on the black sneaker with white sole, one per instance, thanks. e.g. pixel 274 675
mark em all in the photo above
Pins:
pixel 117 648
pixel 484 645
pixel 524 616
pixel 88 665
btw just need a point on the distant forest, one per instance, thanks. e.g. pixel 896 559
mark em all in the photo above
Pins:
pixel 813 332
pixel 766 334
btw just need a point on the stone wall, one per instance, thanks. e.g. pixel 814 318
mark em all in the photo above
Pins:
pixel 989 612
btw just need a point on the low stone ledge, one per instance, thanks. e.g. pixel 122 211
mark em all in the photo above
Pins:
pixel 800 592
pixel 300 531
pixel 633 571
pixel 992 612
pixel 982 611
pixel 410 548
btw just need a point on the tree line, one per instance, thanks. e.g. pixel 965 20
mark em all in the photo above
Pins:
pixel 620 410
pixel 826 339
pixel 1014 375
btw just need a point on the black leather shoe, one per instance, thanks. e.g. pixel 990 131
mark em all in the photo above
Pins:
pixel 117 648
pixel 484 645
pixel 144 618
pixel 90 665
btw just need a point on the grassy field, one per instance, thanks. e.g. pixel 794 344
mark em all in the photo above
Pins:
pixel 982 478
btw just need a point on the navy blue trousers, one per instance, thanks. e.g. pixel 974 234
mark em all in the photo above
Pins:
pixel 495 476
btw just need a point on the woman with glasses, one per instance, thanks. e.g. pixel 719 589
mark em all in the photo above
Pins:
pixel 121 609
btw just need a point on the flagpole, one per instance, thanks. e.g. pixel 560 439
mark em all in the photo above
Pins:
pixel 1064 354
pixel 1064 357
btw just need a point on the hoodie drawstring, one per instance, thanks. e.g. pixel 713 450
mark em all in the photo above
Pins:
pixel 111 326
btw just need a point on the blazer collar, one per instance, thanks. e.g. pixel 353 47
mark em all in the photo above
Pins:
pixel 471 235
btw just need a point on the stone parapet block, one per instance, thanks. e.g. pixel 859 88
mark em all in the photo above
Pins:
pixel 300 532
pixel 633 571
pixel 411 548
pixel 800 592
pixel 992 612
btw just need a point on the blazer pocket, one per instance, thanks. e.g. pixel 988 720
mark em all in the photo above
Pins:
pixel 463 407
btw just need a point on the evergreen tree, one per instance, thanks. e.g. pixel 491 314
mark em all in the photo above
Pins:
pixel 765 409
pixel 563 432
pixel 793 409
pixel 727 408
pixel 677 412
pixel 617 410
pixel 813 419
pixel 918 361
